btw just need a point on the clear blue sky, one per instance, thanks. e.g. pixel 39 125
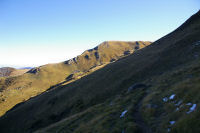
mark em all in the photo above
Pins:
pixel 36 32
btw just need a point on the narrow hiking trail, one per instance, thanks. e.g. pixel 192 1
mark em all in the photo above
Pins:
pixel 139 119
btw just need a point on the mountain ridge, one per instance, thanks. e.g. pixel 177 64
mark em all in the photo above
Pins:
pixel 37 80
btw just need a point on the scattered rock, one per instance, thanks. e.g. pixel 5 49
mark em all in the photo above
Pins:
pixel 165 99
pixel 181 106
pixel 179 103
pixel 2 99
pixel 127 52
pixel 172 122
pixel 90 50
pixel 96 54
pixel 123 113
pixel 87 57
pixel 34 70
pixel 75 59
pixel 177 109
pixel 137 47
pixel 96 48
pixel 68 62
pixel 197 43
pixel 188 104
pixel 172 96
pixel 192 108
pixel 112 60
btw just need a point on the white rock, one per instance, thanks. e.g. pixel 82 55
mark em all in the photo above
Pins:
pixel 172 96
pixel 189 104
pixel 172 122
pixel 123 113
pixel 165 99
pixel 179 103
pixel 192 108
pixel 197 43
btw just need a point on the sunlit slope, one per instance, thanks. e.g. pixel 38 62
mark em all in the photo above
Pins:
pixel 135 84
pixel 106 53
pixel 17 89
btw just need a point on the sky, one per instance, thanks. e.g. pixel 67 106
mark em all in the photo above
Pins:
pixel 37 32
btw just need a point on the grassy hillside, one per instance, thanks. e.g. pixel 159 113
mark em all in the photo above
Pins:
pixel 156 89
pixel 14 90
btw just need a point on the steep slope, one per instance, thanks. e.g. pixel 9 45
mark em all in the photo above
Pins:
pixel 156 89
pixel 14 90
pixel 9 71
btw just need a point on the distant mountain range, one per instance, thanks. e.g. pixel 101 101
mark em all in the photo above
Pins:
pixel 26 68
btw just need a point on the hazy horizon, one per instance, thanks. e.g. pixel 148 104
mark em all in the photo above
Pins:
pixel 35 32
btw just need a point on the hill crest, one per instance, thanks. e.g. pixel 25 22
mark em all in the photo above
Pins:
pixel 37 80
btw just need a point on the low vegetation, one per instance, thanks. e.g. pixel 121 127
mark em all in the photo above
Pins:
pixel 155 89
pixel 37 80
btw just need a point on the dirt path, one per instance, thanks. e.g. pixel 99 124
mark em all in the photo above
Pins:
pixel 139 119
